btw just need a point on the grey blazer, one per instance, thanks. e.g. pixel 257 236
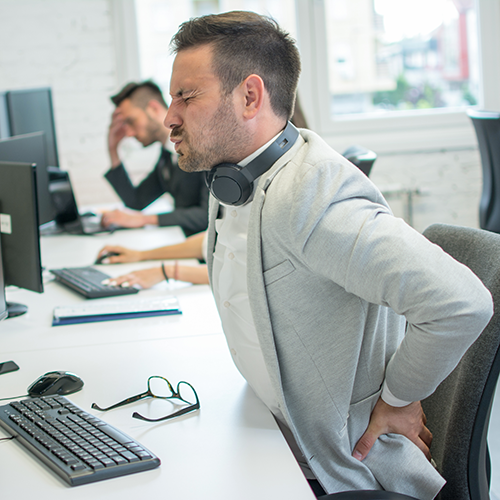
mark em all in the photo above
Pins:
pixel 333 277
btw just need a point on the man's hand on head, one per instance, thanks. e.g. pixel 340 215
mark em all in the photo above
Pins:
pixel 407 420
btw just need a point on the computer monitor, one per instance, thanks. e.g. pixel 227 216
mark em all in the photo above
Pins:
pixel 19 236
pixel 31 111
pixel 30 148
pixel 3 302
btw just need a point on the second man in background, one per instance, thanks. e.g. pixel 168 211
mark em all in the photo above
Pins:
pixel 140 111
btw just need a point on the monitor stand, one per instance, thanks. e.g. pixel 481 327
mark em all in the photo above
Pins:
pixel 15 309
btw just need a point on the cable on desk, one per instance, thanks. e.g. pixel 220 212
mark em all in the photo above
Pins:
pixel 14 397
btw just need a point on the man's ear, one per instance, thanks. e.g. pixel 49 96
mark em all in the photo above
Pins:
pixel 252 91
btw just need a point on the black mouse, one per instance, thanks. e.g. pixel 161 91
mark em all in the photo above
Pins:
pixel 105 256
pixel 58 382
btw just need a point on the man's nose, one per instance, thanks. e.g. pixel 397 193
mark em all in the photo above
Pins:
pixel 173 118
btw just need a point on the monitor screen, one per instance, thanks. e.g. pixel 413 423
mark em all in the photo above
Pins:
pixel 30 148
pixel 62 196
pixel 19 226
pixel 31 111
pixel 3 302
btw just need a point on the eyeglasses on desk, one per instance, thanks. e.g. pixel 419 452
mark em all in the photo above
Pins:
pixel 160 388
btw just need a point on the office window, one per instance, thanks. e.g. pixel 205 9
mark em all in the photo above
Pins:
pixel 394 55
pixel 158 21
pixel 373 102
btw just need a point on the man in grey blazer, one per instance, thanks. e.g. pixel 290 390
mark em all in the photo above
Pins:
pixel 315 280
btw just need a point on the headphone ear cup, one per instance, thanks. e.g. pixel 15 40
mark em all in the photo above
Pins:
pixel 233 185
pixel 229 184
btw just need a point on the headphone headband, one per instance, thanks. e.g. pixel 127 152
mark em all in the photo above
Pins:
pixel 233 185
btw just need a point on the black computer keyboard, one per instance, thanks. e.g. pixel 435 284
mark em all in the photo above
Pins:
pixel 88 282
pixel 78 446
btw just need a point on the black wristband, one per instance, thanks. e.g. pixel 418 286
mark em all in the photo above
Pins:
pixel 164 272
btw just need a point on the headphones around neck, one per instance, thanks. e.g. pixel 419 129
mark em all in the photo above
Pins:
pixel 233 185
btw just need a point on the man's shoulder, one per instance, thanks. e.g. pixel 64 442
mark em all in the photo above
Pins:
pixel 316 177
pixel 317 159
pixel 312 157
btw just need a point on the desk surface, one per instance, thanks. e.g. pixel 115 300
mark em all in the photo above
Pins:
pixel 34 329
pixel 230 449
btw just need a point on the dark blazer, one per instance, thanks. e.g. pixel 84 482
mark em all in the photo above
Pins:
pixel 188 190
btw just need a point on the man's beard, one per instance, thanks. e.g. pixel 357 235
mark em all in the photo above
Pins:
pixel 153 133
pixel 220 142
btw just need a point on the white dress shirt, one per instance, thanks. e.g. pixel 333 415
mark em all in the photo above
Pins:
pixel 229 282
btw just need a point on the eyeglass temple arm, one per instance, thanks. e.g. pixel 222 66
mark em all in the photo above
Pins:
pixel 124 402
pixel 183 411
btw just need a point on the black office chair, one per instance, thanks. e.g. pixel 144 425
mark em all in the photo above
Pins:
pixel 361 157
pixel 458 413
pixel 487 125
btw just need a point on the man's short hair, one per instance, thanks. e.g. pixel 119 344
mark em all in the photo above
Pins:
pixel 140 94
pixel 246 43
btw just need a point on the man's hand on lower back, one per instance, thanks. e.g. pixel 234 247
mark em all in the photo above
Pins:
pixel 406 420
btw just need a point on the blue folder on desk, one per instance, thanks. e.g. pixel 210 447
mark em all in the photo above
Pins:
pixel 111 311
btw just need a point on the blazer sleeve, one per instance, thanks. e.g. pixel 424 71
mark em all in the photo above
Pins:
pixel 192 218
pixel 140 196
pixel 354 240
pixel 188 191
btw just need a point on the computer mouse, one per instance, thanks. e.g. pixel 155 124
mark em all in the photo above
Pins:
pixel 57 382
pixel 105 256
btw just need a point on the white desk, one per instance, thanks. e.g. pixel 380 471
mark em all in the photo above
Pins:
pixel 34 328
pixel 230 449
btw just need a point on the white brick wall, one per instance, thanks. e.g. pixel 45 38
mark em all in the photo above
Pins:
pixel 69 46
pixel 450 183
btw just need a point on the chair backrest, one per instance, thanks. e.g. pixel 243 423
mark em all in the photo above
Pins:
pixel 487 126
pixel 361 157
pixel 458 412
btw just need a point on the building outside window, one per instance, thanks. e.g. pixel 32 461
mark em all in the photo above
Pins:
pixel 390 55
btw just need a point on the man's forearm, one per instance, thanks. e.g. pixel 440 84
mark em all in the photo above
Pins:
pixel 150 220
pixel 115 159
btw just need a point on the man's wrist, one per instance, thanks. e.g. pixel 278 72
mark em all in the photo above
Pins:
pixel 150 220
pixel 115 163
pixel 389 398
pixel 115 159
